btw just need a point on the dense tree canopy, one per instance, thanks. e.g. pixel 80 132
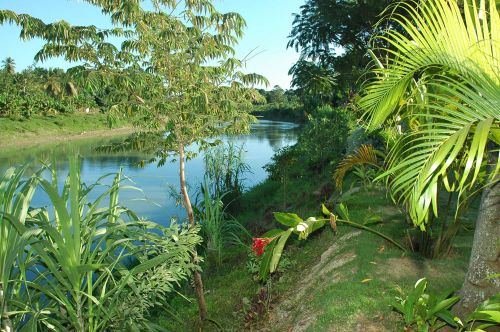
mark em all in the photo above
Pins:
pixel 313 82
pixel 336 34
pixel 40 91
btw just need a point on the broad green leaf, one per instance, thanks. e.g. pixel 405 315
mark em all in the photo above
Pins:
pixel 266 259
pixel 278 250
pixel 448 317
pixel 445 304
pixel 272 233
pixel 287 219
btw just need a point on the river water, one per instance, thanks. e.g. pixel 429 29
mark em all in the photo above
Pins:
pixel 154 200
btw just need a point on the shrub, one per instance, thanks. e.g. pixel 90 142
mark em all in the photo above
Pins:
pixel 321 142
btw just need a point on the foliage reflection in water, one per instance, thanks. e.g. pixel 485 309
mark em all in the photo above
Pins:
pixel 154 202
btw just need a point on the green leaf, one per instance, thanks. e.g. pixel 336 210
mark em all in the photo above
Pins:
pixel 287 219
pixel 272 233
pixel 372 220
pixel 486 315
pixel 266 260
pixel 445 304
pixel 343 211
pixel 278 250
pixel 325 211
pixel 448 317
pixel 412 298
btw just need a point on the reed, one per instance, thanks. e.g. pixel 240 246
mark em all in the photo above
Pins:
pixel 218 229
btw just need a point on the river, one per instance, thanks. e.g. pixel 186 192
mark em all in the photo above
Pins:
pixel 153 201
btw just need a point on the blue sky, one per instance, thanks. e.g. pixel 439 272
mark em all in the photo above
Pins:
pixel 268 24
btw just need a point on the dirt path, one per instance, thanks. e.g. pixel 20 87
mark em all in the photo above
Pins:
pixel 284 316
pixel 32 139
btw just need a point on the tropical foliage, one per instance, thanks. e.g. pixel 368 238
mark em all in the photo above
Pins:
pixel 175 72
pixel 225 168
pixel 430 312
pixel 219 230
pixel 314 83
pixel 433 94
pixel 271 244
pixel 440 88
pixel 82 265
pixel 364 155
pixel 9 65
pixel 323 139
pixel 39 91
pixel 443 82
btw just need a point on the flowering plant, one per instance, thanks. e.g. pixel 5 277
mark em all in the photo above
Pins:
pixel 259 243
pixel 270 245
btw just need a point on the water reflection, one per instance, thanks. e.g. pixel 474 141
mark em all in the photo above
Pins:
pixel 154 201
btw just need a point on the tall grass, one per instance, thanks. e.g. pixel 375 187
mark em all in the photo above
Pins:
pixel 69 269
pixel 225 169
pixel 218 229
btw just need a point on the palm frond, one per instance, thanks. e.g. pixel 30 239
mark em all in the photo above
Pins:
pixel 440 38
pixel 444 79
pixel 364 155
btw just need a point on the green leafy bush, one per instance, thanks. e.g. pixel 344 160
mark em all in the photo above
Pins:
pixel 321 142
pixel 225 169
pixel 430 312
pixel 486 315
pixel 324 137
pixel 426 311
pixel 218 229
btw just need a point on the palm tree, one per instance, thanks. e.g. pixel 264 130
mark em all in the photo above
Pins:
pixel 442 79
pixel 9 65
pixel 53 87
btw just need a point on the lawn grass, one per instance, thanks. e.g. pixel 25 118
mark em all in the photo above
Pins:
pixel 354 296
pixel 62 124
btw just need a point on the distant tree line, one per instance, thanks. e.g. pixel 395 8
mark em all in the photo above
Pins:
pixel 279 104
pixel 41 91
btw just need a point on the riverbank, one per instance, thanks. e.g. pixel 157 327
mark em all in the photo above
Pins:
pixel 54 129
pixel 343 281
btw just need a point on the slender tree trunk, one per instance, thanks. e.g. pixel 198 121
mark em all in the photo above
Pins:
pixel 485 255
pixel 198 283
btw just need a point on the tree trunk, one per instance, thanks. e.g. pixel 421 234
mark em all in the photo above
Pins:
pixel 485 255
pixel 198 283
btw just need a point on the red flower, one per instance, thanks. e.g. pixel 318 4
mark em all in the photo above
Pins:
pixel 259 243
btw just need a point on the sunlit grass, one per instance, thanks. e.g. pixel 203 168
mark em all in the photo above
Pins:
pixel 358 292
